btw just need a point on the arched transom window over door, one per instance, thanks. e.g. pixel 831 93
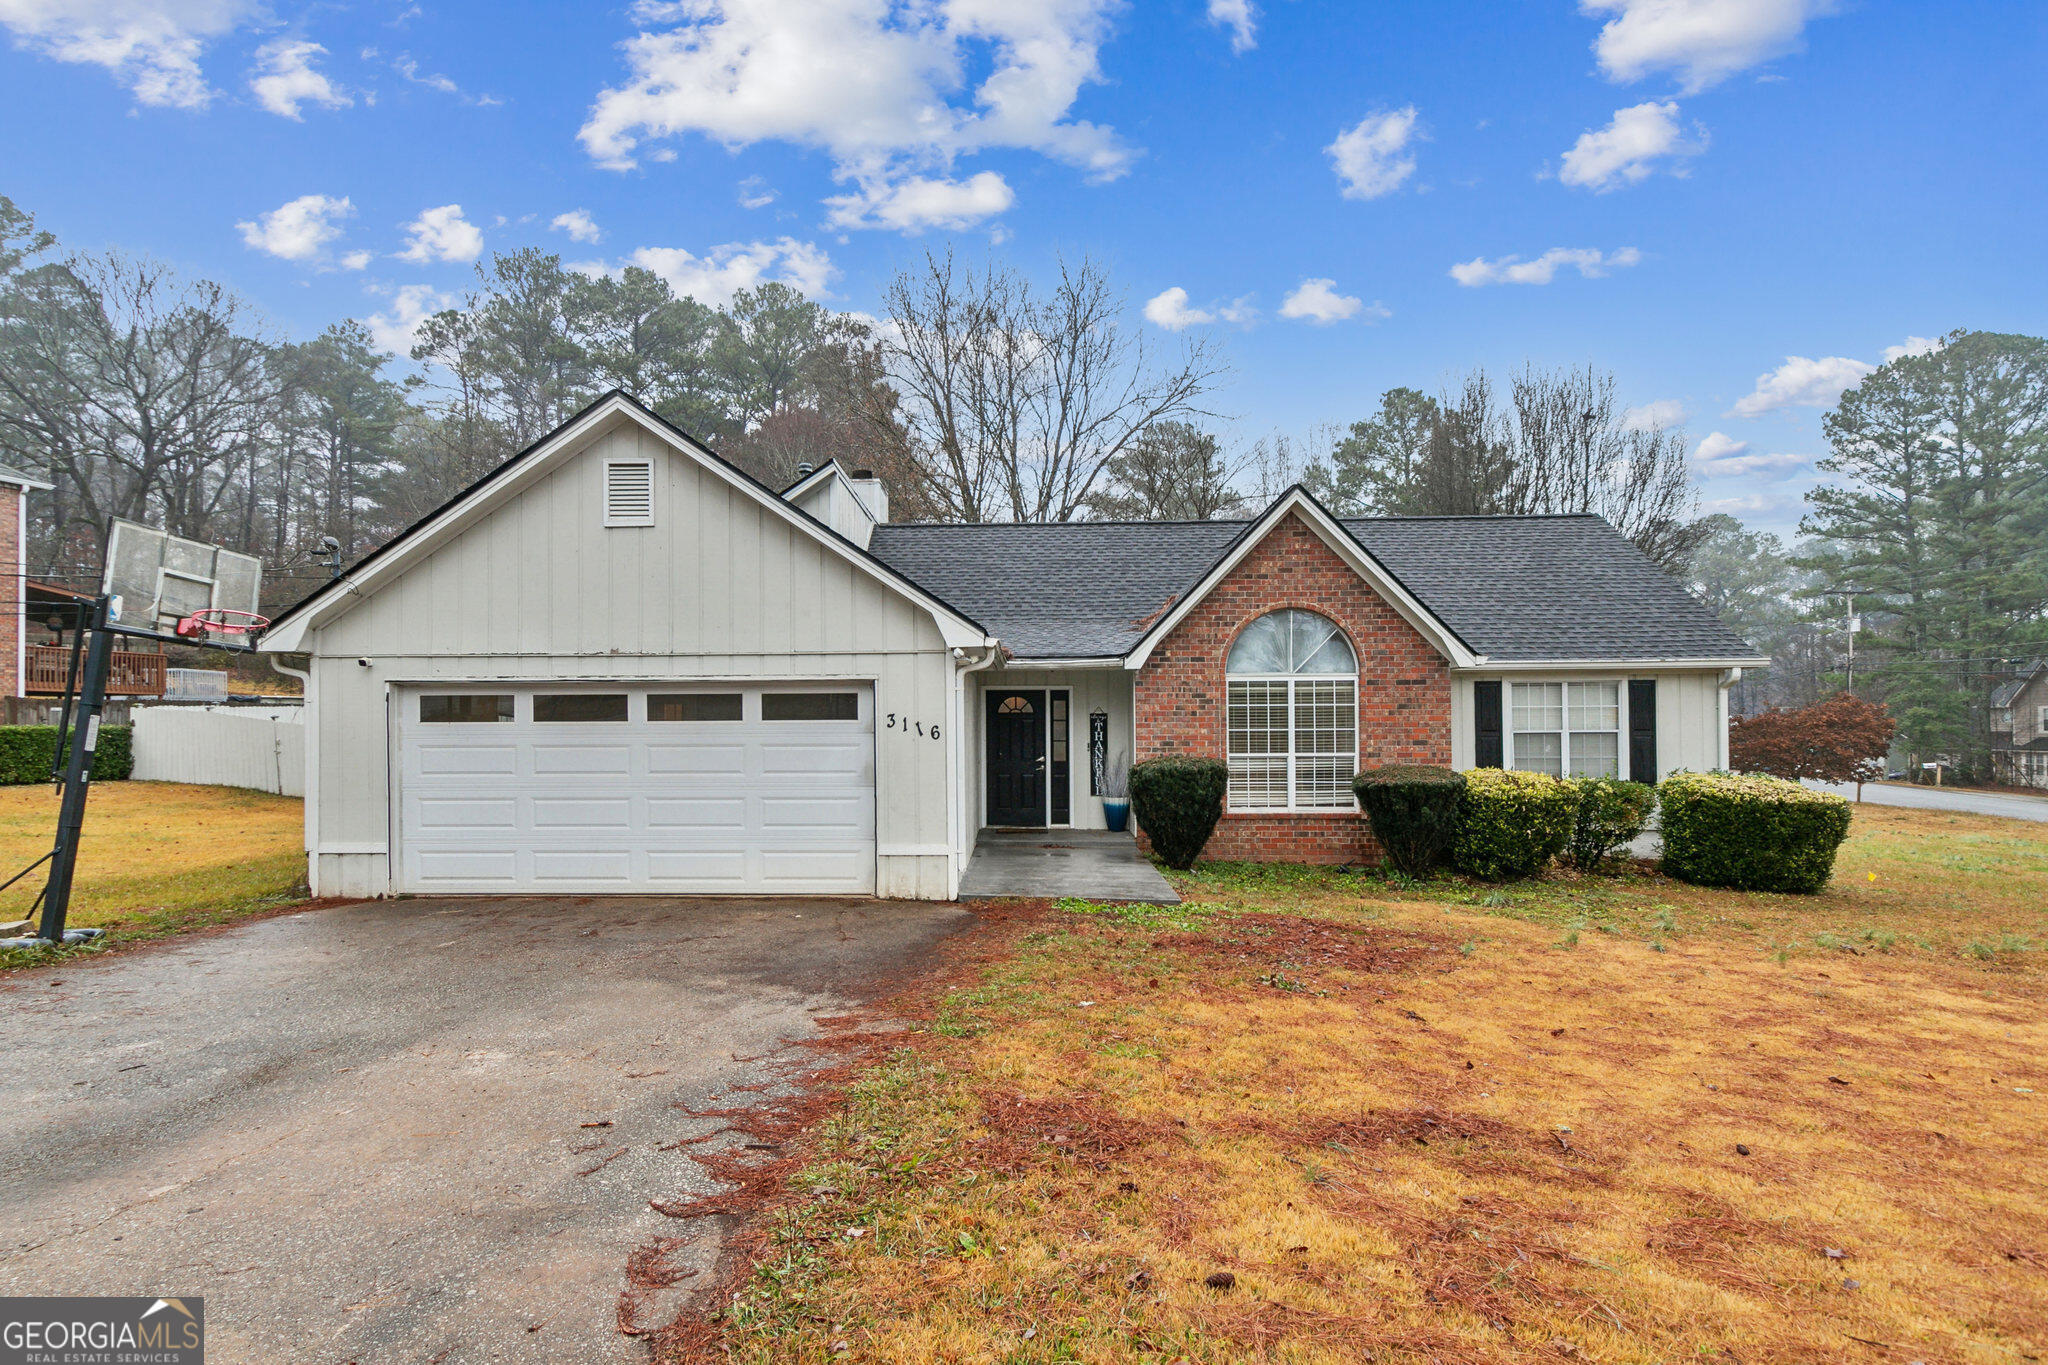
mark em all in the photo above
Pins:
pixel 1292 714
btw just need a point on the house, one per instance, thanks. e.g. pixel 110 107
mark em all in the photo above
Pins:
pixel 617 663
pixel 2019 729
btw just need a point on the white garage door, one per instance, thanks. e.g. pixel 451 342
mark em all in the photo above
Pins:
pixel 647 787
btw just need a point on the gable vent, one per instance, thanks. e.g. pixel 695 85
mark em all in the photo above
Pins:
pixel 629 492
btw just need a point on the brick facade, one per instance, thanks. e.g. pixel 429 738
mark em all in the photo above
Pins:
pixel 1404 689
pixel 11 566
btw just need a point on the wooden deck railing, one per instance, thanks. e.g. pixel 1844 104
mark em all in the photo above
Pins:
pixel 130 675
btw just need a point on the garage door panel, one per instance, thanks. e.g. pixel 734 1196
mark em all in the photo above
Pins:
pixel 638 805
pixel 721 814
pixel 583 866
pixel 841 817
pixel 581 812
pixel 720 868
pixel 570 760
pixel 847 755
pixel 499 815
pixel 708 760
pixel 493 867
pixel 435 760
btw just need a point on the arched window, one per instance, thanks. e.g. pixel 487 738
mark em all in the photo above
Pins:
pixel 1292 714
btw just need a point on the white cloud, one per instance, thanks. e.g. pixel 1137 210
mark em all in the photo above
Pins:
pixel 357 260
pixel 397 327
pixel 284 79
pixel 1717 446
pixel 1801 382
pixel 723 271
pixel 406 65
pixel 1911 346
pixel 887 90
pixel 578 223
pixel 1628 149
pixel 1169 309
pixel 1240 18
pixel 755 193
pixel 299 230
pixel 1744 466
pixel 1702 42
pixel 441 234
pixel 1370 157
pixel 917 202
pixel 1656 415
pixel 1514 270
pixel 151 46
pixel 1318 301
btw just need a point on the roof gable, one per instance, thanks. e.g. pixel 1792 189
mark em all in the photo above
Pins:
pixel 1297 502
pixel 536 462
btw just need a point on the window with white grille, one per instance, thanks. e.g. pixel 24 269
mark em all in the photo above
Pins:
pixel 629 492
pixel 1291 715
pixel 1566 729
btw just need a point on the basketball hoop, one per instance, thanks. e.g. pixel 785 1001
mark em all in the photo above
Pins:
pixel 220 621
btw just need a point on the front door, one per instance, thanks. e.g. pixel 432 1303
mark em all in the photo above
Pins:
pixel 1016 758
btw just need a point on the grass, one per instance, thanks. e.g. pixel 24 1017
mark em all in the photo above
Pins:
pixel 157 858
pixel 1587 1118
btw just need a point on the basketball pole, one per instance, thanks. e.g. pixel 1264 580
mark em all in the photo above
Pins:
pixel 85 738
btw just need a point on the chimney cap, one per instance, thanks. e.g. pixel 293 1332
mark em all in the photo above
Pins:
pixel 863 473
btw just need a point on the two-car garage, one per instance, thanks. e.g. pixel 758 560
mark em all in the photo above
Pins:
pixel 640 787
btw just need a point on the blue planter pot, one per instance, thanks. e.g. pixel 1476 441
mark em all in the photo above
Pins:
pixel 1116 813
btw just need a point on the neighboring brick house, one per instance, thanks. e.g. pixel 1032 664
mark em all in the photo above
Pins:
pixel 2019 729
pixel 678 680
pixel 14 490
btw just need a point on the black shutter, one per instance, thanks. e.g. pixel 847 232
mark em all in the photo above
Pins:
pixel 1642 730
pixel 1487 748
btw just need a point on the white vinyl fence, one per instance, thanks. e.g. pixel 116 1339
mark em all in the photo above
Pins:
pixel 263 748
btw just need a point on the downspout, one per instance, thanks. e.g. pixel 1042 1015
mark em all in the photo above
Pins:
pixel 962 836
pixel 1729 677
pixel 312 766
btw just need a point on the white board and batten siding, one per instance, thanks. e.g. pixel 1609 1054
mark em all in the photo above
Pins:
pixel 1692 718
pixel 539 591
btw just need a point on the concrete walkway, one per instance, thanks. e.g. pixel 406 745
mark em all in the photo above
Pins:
pixel 1943 798
pixel 1092 864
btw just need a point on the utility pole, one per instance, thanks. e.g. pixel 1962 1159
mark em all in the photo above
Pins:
pixel 1853 624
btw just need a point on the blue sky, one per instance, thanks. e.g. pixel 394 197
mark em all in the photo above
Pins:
pixel 1736 205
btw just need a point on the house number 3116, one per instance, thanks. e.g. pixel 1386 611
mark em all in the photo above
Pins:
pixel 907 725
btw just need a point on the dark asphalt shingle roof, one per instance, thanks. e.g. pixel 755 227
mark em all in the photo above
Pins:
pixel 2008 692
pixel 1513 588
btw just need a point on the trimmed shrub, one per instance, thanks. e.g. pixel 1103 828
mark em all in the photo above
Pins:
pixel 1413 812
pixel 1611 813
pixel 1510 824
pixel 1178 801
pixel 26 752
pixel 1751 832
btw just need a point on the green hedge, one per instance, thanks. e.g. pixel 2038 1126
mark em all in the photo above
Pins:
pixel 1413 812
pixel 1750 832
pixel 26 751
pixel 1178 802
pixel 1510 824
pixel 1611 813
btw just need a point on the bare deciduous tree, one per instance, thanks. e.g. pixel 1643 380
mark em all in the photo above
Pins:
pixel 1011 403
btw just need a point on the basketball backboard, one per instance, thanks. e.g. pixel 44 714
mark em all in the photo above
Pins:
pixel 157 579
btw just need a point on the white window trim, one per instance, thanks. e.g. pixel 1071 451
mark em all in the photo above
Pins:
pixel 1621 730
pixel 2041 719
pixel 636 462
pixel 1293 807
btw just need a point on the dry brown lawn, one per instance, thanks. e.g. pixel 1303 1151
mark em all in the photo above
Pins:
pixel 1319 1118
pixel 159 857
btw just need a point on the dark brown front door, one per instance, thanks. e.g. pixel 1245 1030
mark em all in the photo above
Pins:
pixel 1016 758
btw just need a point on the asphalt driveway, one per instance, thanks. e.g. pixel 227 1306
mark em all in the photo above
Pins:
pixel 358 1132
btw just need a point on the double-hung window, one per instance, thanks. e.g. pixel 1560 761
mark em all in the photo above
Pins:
pixel 1292 715
pixel 1566 729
